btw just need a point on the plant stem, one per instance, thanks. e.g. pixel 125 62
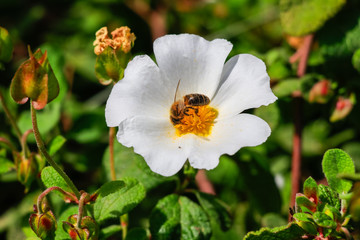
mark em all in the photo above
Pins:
pixel 46 192
pixel 301 55
pixel 43 150
pixel 24 147
pixel 204 183
pixel 81 209
pixel 10 117
pixel 296 151
pixel 111 150
pixel 8 143
pixel 124 220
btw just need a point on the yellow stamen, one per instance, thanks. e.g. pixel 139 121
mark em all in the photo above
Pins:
pixel 199 121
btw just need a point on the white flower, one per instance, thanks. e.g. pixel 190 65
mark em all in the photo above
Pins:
pixel 140 104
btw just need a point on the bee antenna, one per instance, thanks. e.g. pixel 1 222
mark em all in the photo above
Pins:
pixel 177 88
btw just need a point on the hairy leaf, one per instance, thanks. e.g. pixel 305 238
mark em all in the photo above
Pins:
pixel 50 177
pixel 336 161
pixel 117 198
pixel 56 144
pixel 291 231
pixel 303 17
pixel 177 217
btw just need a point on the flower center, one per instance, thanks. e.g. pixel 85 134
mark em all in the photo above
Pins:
pixel 198 120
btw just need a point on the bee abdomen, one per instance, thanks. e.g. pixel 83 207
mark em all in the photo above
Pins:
pixel 196 99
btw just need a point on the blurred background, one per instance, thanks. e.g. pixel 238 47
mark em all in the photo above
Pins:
pixel 255 182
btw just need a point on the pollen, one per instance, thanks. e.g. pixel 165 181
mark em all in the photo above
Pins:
pixel 198 120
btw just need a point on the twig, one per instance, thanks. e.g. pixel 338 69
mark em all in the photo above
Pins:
pixel 10 117
pixel 204 183
pixel 43 150
pixel 301 55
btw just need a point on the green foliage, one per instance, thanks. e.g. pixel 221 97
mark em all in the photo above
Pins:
pixel 303 17
pixel 51 178
pixel 130 164
pixel 117 198
pixel 6 165
pixel 252 186
pixel 136 234
pixel 176 217
pixel 6 47
pixel 335 162
pixel 56 144
pixel 291 231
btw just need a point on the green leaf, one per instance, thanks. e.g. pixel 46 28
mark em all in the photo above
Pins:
pixel 311 189
pixel 336 161
pixel 339 37
pixel 117 198
pixel 130 164
pixel 303 217
pixel 194 222
pixel 165 218
pixel 329 196
pixel 6 165
pixel 270 113
pixel 305 204
pixel 60 234
pixel 272 220
pixel 47 119
pixel 291 231
pixel 303 17
pixel 356 60
pixel 50 177
pixel 108 231
pixel 354 206
pixel 56 144
pixel 177 217
pixel 137 234
pixel 286 87
pixel 6 46
pixel 323 220
pixel 332 212
pixel 215 210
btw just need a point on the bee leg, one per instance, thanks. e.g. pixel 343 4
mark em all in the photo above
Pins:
pixel 196 110
pixel 186 111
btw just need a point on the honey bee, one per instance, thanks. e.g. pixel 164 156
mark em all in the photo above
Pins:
pixel 181 108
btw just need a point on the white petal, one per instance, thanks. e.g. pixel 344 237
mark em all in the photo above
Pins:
pixel 196 62
pixel 228 136
pixel 244 84
pixel 142 91
pixel 156 141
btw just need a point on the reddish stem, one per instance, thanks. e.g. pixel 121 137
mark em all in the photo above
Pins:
pixel 301 55
pixel 296 151
pixel 46 192
pixel 204 183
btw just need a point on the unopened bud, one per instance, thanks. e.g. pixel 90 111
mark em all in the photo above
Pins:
pixel 6 47
pixel 88 229
pixel 35 79
pixel 343 108
pixel 26 169
pixel 113 53
pixel 321 92
pixel 44 224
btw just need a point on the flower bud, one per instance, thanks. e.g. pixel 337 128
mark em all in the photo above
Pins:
pixel 343 108
pixel 26 169
pixel 321 92
pixel 44 224
pixel 35 79
pixel 6 47
pixel 113 54
pixel 89 229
